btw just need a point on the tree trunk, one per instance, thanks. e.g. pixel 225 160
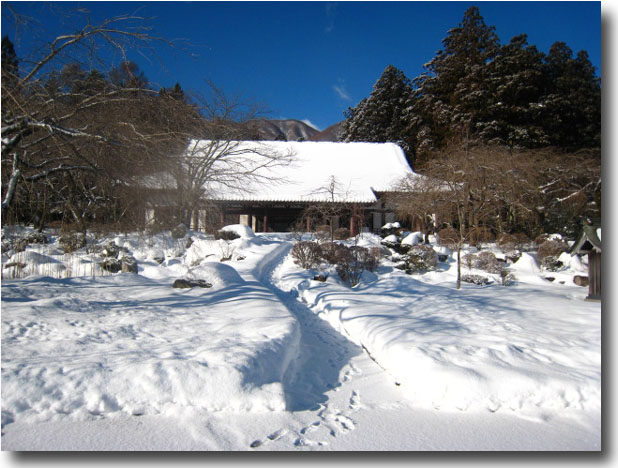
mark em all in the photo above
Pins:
pixel 8 198
pixel 459 266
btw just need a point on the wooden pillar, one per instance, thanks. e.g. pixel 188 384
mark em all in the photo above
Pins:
pixel 352 227
pixel 594 275
pixel 308 222
pixel 222 218
pixel 265 224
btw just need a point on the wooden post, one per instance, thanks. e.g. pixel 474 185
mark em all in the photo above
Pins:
pixel 352 227
pixel 222 218
pixel 594 275
pixel 265 226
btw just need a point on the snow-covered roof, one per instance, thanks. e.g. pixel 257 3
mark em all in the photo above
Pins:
pixel 589 239
pixel 357 169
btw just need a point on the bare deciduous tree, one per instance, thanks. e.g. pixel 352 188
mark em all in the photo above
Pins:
pixel 477 189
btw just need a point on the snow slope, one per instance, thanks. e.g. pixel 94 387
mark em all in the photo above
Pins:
pixel 533 349
pixel 125 362
pixel 85 348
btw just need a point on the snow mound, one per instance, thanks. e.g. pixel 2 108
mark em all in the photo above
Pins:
pixel 394 225
pixel 392 239
pixel 243 231
pixel 218 274
pixel 413 238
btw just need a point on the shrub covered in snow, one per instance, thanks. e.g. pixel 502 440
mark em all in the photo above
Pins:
pixel 549 253
pixel 179 231
pixel 19 243
pixel 469 260
pixel 226 235
pixel 547 237
pixel 506 277
pixel 419 259
pixel 350 266
pixel 72 242
pixel 488 262
pixel 332 252
pixel 306 254
pixel 551 248
pixel 475 279
pixel 368 258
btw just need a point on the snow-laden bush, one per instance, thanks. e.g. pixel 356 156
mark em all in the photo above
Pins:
pixel 419 259
pixel 549 254
pixel 475 279
pixel 179 231
pixel 306 254
pixel 368 258
pixel 469 260
pixel 506 277
pixel 551 248
pixel 350 267
pixel 488 262
pixel 226 235
pixel 20 243
pixel 332 252
pixel 72 242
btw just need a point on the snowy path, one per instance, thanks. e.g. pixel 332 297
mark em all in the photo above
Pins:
pixel 323 365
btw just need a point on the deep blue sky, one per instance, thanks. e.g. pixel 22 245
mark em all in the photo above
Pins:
pixel 312 60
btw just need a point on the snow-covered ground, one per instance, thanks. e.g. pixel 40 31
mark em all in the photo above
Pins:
pixel 269 359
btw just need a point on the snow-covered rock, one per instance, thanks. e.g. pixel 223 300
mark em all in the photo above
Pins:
pixel 243 231
pixel 413 238
pixel 391 239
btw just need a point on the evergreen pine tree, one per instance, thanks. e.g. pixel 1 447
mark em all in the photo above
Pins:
pixel 382 116
pixel 571 105
pixel 10 63
pixel 517 84
pixel 453 95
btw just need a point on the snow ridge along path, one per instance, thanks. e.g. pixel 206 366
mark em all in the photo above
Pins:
pixel 322 367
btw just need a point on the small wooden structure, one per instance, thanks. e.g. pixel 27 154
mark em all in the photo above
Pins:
pixel 589 242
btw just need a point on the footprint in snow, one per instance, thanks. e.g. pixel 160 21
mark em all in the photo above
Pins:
pixel 270 438
pixel 345 423
pixel 355 401
pixel 310 428
pixel 277 434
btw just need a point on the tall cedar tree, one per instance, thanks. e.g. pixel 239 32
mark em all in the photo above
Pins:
pixel 382 116
pixel 517 81
pixel 572 101
pixel 453 94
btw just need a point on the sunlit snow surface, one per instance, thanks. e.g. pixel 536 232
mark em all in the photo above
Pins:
pixel 268 359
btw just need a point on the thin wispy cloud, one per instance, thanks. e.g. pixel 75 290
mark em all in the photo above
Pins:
pixel 342 92
pixel 331 10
